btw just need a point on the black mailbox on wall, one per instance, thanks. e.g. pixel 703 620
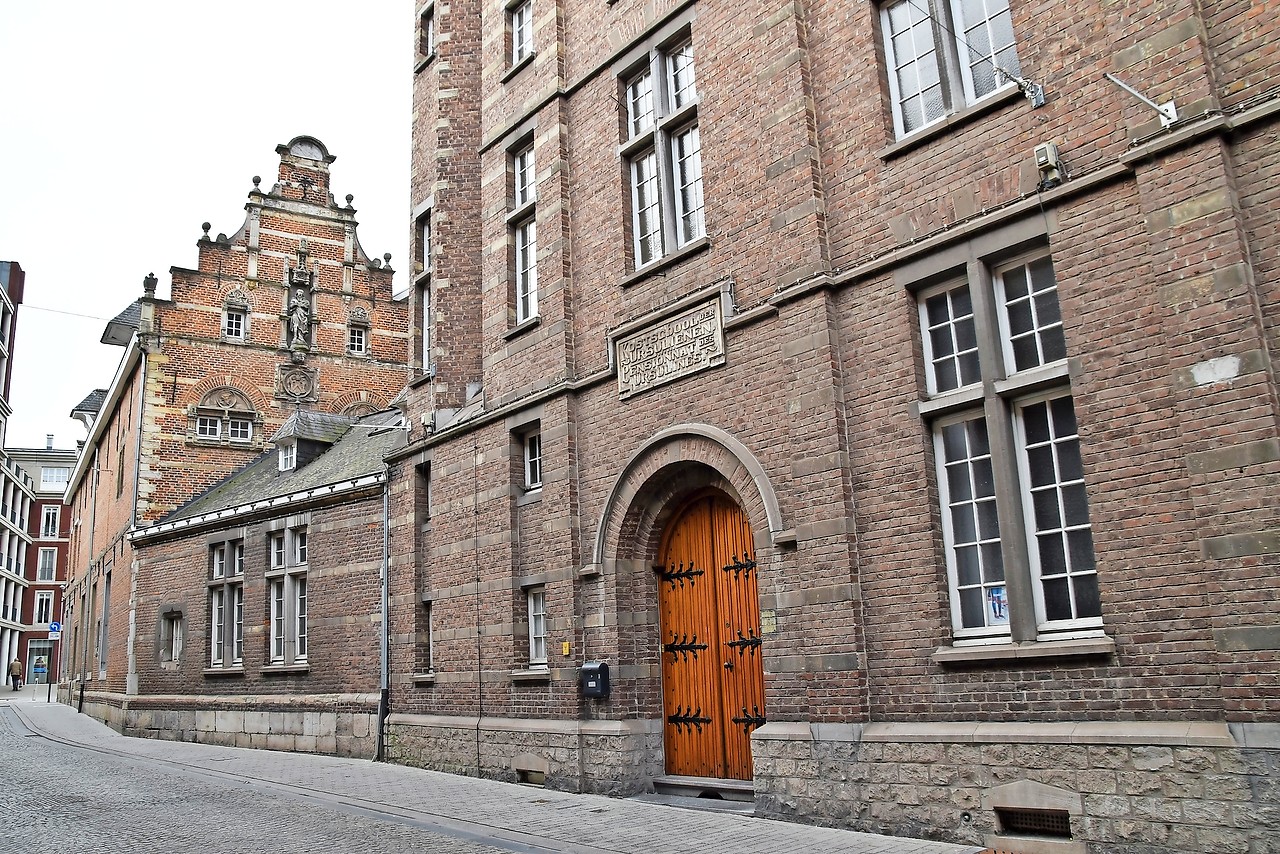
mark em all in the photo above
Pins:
pixel 594 678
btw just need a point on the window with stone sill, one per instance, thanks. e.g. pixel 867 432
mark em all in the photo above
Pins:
pixel 223 417
pixel 662 147
pixel 945 55
pixel 519 32
pixel 235 318
pixel 427 33
pixel 287 597
pixel 358 332
pixel 172 633
pixel 47 565
pixel 523 227
pixel 49 519
pixel 1015 516
pixel 536 599
pixel 226 603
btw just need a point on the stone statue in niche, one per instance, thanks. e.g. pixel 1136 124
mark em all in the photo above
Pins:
pixel 299 319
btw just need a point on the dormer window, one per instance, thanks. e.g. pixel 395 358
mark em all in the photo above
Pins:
pixel 288 456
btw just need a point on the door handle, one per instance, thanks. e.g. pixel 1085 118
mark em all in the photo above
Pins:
pixel 728 665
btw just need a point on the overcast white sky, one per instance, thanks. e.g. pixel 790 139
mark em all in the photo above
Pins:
pixel 125 125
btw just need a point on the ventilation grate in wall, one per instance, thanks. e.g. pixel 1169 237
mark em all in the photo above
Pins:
pixel 1054 823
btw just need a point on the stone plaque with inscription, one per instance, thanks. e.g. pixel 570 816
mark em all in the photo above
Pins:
pixel 691 341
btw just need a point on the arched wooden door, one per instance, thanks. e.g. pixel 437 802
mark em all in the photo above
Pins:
pixel 709 610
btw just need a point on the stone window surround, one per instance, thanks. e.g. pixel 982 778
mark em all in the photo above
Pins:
pixel 955 84
pixel 290 661
pixel 668 123
pixel 230 584
pixel 520 426
pixel 980 253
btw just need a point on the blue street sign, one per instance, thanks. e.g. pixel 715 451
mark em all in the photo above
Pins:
pixel 55 627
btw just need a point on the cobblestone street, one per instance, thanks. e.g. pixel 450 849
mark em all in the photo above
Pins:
pixel 75 785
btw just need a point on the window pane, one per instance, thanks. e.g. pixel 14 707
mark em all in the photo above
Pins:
pixel 1032 314
pixel 988 521
pixel 952 339
pixel 646 211
pixel 1040 465
pixel 958 483
pixel 1045 502
pixel 967 565
pixel 1080 549
pixel 1053 560
pixel 680 75
pixel 1088 600
pixel 686 149
pixel 526 271
pixel 1057 599
pixel 1036 421
pixel 962 523
pixel 640 103
pixel 971 611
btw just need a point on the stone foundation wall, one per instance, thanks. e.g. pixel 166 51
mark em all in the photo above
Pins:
pixel 343 725
pixel 604 757
pixel 1130 788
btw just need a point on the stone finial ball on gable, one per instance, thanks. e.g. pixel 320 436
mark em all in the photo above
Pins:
pixel 307 148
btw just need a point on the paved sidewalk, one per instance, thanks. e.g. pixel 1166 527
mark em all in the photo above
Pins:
pixel 518 818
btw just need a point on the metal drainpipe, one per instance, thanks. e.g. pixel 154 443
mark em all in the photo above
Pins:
pixel 384 690
pixel 85 622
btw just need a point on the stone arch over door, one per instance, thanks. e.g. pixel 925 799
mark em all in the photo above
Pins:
pixel 654 490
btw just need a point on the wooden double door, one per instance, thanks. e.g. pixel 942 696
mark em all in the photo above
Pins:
pixel 709 613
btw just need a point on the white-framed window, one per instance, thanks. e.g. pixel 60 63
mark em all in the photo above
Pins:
pixel 208 428
pixel 533 460
pixel 226 604
pixel 522 222
pixel 54 478
pixel 50 517
pixel 663 150
pixel 537 602
pixel 276 552
pixel 427 33
pixel 520 31
pixel 233 324
pixel 288 456
pixel 44 608
pixel 943 55
pixel 223 417
pixel 357 340
pixel 526 270
pixel 1007 451
pixel 172 635
pixel 423 248
pixel 47 565
pixel 287 601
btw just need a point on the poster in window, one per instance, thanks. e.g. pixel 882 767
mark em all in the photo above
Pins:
pixel 997 606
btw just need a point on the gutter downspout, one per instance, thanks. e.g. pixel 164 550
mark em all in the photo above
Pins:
pixel 384 689
pixel 85 612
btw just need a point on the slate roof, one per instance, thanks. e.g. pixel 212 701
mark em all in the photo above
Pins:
pixel 358 453
pixel 313 426
pixel 92 403
pixel 121 327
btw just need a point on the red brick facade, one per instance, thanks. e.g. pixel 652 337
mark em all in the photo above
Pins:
pixel 288 313
pixel 826 229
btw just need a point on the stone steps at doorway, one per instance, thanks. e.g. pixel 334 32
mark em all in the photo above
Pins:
pixel 695 803
pixel 705 788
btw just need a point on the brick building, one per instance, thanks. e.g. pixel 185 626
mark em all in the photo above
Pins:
pixel 49 528
pixel 886 395
pixel 287 315
pixel 16 488
pixel 275 640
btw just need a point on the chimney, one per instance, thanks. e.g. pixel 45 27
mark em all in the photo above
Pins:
pixel 48 441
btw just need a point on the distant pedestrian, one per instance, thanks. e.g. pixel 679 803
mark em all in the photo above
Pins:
pixel 15 673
